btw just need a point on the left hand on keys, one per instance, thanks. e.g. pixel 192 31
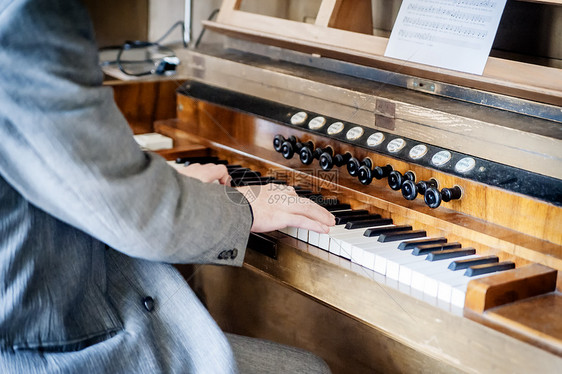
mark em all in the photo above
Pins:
pixel 207 173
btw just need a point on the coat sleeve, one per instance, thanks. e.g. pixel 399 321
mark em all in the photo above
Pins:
pixel 67 149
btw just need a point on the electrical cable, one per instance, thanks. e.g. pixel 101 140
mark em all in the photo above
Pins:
pixel 211 16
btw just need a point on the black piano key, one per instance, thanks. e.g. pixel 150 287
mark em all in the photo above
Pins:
pixel 251 178
pixel 204 162
pixel 336 207
pixel 376 231
pixel 411 244
pixel 325 202
pixel 197 160
pixel 368 223
pixel 464 264
pixel 238 170
pixel 243 173
pixel 237 182
pixel 356 218
pixel 312 196
pixel 450 253
pixel 489 268
pixel 426 249
pixel 356 212
pixel 401 235
pixel 253 183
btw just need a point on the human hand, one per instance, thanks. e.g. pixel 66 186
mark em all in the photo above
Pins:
pixel 206 173
pixel 278 206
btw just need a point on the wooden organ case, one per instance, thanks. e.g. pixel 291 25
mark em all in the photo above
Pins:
pixel 315 70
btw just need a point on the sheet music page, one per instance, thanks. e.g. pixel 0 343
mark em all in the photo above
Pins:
pixel 452 34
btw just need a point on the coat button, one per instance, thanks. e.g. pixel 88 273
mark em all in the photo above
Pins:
pixel 233 253
pixel 148 303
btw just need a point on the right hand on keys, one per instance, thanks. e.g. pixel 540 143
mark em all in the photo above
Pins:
pixel 277 206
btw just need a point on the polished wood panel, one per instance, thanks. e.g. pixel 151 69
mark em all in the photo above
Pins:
pixel 144 103
pixel 507 287
pixel 246 301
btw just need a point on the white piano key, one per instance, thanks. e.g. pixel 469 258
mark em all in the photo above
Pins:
pixel 302 234
pixel 420 265
pixel 458 294
pixel 398 259
pixel 431 284
pixel 292 231
pixel 324 239
pixel 314 238
pixel 373 253
pixel 338 236
pixel 445 289
pixel 347 245
pixel 441 273
pixel 367 260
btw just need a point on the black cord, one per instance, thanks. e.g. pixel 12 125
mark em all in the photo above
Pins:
pixel 179 23
pixel 211 16
pixel 129 45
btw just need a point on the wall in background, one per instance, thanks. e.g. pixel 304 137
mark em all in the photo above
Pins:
pixel 117 21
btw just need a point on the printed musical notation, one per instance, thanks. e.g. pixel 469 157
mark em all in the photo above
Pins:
pixel 453 34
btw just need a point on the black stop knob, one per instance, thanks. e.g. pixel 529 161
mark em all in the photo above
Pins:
pixel 288 150
pixel 354 164
pixel 448 194
pixel 327 161
pixel 279 139
pixel 409 190
pixel 381 172
pixel 396 179
pixel 432 197
pixel 306 155
pixel 340 160
pixel 365 175
pixel 318 152
pixel 422 186
pixel 291 146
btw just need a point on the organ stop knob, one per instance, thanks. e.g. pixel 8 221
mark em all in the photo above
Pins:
pixel 327 162
pixel 380 172
pixel 433 196
pixel 366 175
pixel 353 165
pixel 307 155
pixel 410 189
pixel 279 139
pixel 396 179
pixel 289 148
